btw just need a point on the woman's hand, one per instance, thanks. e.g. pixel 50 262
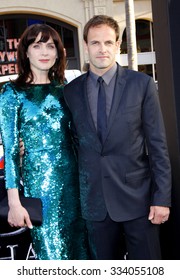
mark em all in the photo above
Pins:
pixel 17 215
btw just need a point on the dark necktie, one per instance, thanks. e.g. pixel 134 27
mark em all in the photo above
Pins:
pixel 101 111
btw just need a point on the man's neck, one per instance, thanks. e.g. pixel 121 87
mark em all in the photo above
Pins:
pixel 100 71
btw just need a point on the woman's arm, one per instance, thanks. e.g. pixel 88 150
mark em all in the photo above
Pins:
pixel 9 126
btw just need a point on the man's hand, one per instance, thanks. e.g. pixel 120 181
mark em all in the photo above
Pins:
pixel 159 214
pixel 21 147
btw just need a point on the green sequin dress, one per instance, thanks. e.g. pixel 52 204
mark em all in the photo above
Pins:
pixel 40 117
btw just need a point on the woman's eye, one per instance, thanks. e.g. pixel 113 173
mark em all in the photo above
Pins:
pixel 36 46
pixel 51 46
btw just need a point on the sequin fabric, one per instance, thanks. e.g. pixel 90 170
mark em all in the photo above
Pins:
pixel 40 117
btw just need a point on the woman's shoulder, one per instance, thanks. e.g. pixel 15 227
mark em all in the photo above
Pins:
pixel 57 88
pixel 58 85
pixel 6 85
pixel 7 88
pixel 9 94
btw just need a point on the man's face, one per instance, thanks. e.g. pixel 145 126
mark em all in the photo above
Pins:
pixel 102 48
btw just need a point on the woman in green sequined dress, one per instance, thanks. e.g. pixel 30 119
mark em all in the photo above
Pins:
pixel 33 108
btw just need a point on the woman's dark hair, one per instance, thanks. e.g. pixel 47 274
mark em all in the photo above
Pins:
pixel 25 74
pixel 101 20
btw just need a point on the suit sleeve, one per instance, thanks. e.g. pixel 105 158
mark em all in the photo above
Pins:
pixel 157 147
pixel 72 128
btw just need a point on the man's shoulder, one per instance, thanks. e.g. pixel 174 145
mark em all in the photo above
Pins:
pixel 76 82
pixel 133 74
pixel 78 79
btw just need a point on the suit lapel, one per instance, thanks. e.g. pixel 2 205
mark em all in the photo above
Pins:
pixel 89 115
pixel 87 107
pixel 118 91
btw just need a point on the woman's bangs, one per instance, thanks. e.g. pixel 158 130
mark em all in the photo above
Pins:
pixel 45 36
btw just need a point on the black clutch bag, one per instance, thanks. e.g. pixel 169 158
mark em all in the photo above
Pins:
pixel 32 205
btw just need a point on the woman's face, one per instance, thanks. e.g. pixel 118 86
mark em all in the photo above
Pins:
pixel 42 56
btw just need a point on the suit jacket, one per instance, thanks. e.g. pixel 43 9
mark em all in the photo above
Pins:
pixel 131 170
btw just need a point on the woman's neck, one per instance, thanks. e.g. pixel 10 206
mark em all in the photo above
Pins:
pixel 40 78
pixel 41 81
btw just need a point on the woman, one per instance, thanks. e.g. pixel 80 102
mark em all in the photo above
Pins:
pixel 33 108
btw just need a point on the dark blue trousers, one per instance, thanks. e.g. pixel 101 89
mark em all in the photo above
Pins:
pixel 136 239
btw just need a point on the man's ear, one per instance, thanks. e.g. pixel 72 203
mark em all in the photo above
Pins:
pixel 86 51
pixel 118 43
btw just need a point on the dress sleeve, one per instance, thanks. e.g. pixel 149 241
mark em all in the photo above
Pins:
pixel 9 109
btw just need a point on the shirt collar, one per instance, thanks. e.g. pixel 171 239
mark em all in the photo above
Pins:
pixel 107 76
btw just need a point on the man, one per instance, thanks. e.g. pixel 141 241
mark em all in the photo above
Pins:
pixel 124 168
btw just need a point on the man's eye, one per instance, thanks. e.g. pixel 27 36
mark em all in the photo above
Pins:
pixel 109 43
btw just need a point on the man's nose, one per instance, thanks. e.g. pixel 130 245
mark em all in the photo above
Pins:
pixel 102 47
